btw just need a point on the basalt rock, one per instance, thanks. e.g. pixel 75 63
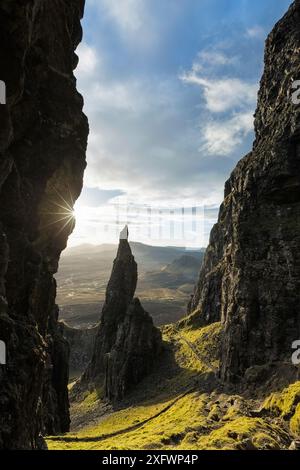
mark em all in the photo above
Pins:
pixel 137 346
pixel 81 342
pixel 250 279
pixel 43 135
pixel 127 344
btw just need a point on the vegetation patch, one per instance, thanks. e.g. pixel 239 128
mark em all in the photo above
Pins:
pixel 286 405
pixel 244 434
pixel 175 412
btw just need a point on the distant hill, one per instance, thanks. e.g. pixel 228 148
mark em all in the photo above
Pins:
pixel 181 271
pixel 186 265
pixel 145 255
pixel 166 279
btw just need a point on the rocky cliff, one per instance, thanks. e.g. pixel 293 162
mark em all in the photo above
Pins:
pixel 127 343
pixel 43 135
pixel 250 278
pixel 81 342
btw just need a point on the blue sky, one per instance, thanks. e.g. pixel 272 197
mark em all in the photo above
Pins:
pixel 170 90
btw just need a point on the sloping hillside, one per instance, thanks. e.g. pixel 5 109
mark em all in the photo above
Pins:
pixel 183 405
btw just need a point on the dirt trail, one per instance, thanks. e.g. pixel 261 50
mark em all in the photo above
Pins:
pixel 134 427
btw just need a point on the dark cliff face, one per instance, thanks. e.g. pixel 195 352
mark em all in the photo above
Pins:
pixel 119 294
pixel 138 345
pixel 81 342
pixel 251 273
pixel 127 343
pixel 43 135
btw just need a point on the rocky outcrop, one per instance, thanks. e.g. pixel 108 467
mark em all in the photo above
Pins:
pixel 43 135
pixel 127 344
pixel 81 342
pixel 137 347
pixel 55 399
pixel 250 278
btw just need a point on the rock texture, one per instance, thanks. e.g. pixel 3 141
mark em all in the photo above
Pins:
pixel 127 343
pixel 250 279
pixel 43 135
pixel 81 342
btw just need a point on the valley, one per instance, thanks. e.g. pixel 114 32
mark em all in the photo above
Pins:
pixel 167 276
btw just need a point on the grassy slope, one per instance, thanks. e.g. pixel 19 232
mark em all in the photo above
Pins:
pixel 183 406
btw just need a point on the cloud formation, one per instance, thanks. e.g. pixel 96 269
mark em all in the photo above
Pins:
pixel 256 32
pixel 129 15
pixel 231 97
pixel 223 137
pixel 169 94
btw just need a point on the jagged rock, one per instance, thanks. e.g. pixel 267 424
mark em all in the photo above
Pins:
pixel 127 343
pixel 56 417
pixel 43 135
pixel 250 277
pixel 119 294
pixel 137 346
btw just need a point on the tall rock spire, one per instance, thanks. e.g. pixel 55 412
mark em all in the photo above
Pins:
pixel 127 343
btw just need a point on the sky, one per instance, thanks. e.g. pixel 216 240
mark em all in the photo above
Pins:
pixel 170 89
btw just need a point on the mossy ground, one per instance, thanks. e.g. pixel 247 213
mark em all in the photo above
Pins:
pixel 183 406
pixel 286 405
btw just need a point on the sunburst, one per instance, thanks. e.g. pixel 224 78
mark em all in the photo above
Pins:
pixel 64 214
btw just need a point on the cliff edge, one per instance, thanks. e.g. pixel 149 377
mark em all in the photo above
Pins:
pixel 43 137
pixel 251 273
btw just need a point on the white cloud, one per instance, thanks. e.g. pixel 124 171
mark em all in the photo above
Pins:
pixel 231 97
pixel 220 94
pixel 222 137
pixel 134 20
pixel 139 133
pixel 223 95
pixel 212 58
pixel 88 60
pixel 256 32
pixel 129 15
pixel 103 94
pixel 116 96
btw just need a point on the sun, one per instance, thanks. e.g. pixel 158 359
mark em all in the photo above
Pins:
pixel 62 216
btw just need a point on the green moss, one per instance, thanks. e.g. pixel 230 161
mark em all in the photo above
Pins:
pixel 197 350
pixel 295 422
pixel 153 430
pixel 162 416
pixel 262 441
pixel 206 341
pixel 215 413
pixel 284 403
pixel 179 424
pixel 244 433
pixel 232 413
pixel 89 401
